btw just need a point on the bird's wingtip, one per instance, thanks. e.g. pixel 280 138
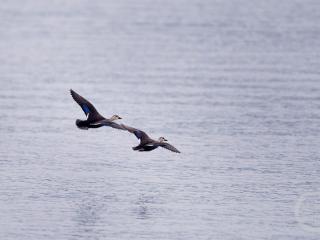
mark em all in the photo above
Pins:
pixel 72 92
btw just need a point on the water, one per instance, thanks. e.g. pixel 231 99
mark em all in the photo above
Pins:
pixel 234 85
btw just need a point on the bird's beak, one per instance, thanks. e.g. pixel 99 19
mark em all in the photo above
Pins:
pixel 120 117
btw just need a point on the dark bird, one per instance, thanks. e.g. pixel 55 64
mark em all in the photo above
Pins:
pixel 94 118
pixel 148 144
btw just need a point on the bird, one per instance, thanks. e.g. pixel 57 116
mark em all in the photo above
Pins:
pixel 146 143
pixel 94 118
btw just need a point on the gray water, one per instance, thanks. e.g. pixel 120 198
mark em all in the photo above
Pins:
pixel 234 85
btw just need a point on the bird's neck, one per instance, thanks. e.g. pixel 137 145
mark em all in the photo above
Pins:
pixel 113 118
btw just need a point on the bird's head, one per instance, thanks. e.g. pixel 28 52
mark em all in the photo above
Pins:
pixel 162 139
pixel 115 117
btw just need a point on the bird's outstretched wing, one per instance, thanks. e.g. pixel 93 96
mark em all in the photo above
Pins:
pixel 87 107
pixel 169 147
pixel 116 125
pixel 138 133
pixel 108 123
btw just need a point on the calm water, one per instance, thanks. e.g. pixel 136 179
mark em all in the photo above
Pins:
pixel 234 85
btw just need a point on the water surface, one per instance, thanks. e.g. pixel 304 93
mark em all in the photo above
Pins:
pixel 234 85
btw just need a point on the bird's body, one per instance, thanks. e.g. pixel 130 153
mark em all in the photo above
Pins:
pixel 146 143
pixel 145 148
pixel 94 118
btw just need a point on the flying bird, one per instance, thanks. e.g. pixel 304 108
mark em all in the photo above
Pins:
pixel 94 118
pixel 148 144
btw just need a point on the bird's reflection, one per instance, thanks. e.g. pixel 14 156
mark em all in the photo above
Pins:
pixel 143 212
pixel 87 217
pixel 143 207
pixel 88 214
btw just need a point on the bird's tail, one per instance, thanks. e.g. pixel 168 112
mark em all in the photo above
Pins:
pixel 80 125
pixel 135 148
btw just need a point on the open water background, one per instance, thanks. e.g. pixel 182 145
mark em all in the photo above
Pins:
pixel 234 85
